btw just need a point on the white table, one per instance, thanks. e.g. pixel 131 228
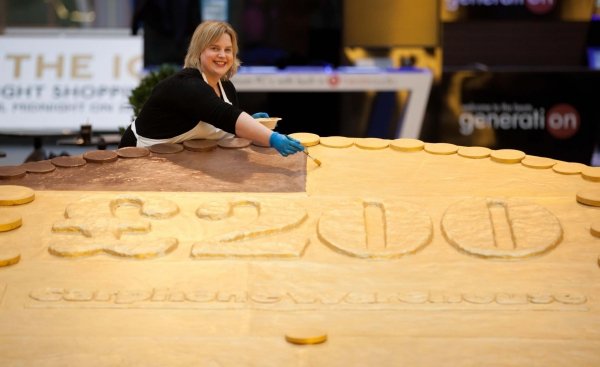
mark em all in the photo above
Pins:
pixel 416 81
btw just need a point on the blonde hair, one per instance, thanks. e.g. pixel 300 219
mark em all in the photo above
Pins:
pixel 205 34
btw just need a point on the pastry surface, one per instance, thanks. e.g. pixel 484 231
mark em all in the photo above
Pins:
pixel 386 256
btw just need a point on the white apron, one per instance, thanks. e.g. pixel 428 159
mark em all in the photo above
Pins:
pixel 202 130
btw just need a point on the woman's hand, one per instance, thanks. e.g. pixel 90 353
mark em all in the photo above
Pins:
pixel 284 144
pixel 259 115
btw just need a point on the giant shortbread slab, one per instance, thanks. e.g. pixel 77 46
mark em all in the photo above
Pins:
pixel 397 257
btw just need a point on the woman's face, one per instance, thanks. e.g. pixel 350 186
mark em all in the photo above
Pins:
pixel 217 58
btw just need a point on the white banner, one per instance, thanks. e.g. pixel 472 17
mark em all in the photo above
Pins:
pixel 339 80
pixel 53 83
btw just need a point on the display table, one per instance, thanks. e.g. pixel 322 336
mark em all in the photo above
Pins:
pixel 38 136
pixel 347 79
pixel 100 141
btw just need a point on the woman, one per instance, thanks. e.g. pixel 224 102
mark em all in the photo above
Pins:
pixel 200 102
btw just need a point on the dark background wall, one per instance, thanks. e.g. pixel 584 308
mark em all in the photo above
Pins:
pixel 515 43
pixel 292 33
pixel 282 33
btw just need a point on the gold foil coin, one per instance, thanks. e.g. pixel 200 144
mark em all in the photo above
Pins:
pixel 305 336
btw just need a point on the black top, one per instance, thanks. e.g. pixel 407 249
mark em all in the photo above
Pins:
pixel 180 101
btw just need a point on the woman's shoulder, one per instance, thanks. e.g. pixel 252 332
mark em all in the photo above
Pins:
pixel 184 79
pixel 191 73
pixel 186 75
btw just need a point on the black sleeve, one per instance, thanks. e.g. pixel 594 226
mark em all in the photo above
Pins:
pixel 179 102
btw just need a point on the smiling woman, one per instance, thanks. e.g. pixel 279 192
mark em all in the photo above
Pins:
pixel 200 101
pixel 214 44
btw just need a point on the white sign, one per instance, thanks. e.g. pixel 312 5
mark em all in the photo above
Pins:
pixel 53 83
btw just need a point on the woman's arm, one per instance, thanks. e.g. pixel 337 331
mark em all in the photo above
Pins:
pixel 247 127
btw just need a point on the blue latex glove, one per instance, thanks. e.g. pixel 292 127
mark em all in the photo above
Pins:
pixel 260 115
pixel 284 144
